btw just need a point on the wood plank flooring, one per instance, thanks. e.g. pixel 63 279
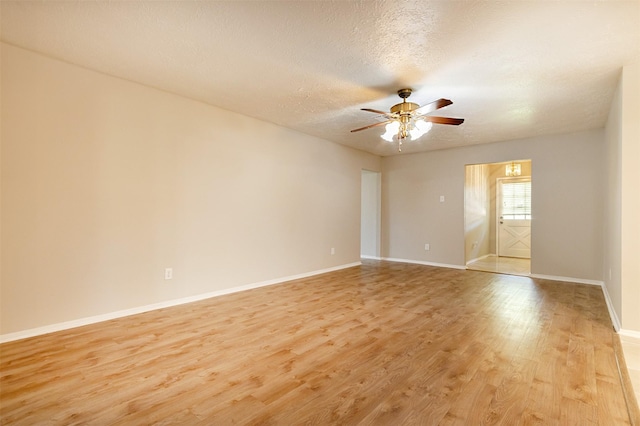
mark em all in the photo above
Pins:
pixel 383 343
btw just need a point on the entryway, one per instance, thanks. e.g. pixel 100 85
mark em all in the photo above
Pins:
pixel 370 215
pixel 502 265
pixel 498 217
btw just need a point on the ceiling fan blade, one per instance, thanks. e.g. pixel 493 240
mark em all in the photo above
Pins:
pixel 377 111
pixel 430 107
pixel 443 120
pixel 372 125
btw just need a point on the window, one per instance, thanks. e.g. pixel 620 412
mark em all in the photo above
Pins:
pixel 516 200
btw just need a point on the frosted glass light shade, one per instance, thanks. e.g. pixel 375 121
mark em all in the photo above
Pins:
pixel 420 128
pixel 391 129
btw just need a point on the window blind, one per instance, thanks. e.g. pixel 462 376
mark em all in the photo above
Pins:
pixel 516 200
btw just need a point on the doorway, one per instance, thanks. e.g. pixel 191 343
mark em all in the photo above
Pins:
pixel 370 207
pixel 513 207
pixel 498 217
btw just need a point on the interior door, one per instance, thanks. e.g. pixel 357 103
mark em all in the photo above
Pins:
pixel 514 218
pixel 370 215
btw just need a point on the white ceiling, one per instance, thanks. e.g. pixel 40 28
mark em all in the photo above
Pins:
pixel 513 69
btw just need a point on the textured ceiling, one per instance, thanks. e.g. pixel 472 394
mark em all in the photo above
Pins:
pixel 513 69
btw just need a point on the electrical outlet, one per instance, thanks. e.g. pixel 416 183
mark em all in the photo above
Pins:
pixel 333 250
pixel 168 273
pixel 427 247
pixel 442 198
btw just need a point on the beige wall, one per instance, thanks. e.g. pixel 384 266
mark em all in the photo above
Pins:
pixel 622 224
pixel 630 180
pixel 105 183
pixel 567 202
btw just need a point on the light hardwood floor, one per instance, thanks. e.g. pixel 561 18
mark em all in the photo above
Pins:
pixel 383 343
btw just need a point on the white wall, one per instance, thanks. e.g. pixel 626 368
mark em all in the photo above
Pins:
pixel 622 215
pixel 566 194
pixel 105 183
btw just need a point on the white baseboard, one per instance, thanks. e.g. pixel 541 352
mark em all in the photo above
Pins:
pixel 631 336
pixel 362 256
pixel 612 313
pixel 420 262
pixel 567 279
pixel 18 335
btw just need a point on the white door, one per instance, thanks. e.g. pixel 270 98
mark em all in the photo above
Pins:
pixel 514 217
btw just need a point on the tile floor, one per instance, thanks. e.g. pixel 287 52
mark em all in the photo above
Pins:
pixel 502 265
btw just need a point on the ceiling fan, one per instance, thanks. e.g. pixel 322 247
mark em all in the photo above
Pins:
pixel 409 119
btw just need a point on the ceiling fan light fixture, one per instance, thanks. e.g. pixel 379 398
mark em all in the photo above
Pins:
pixel 391 130
pixel 420 127
pixel 408 119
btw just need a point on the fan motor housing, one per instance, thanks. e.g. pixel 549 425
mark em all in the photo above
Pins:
pixel 404 107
